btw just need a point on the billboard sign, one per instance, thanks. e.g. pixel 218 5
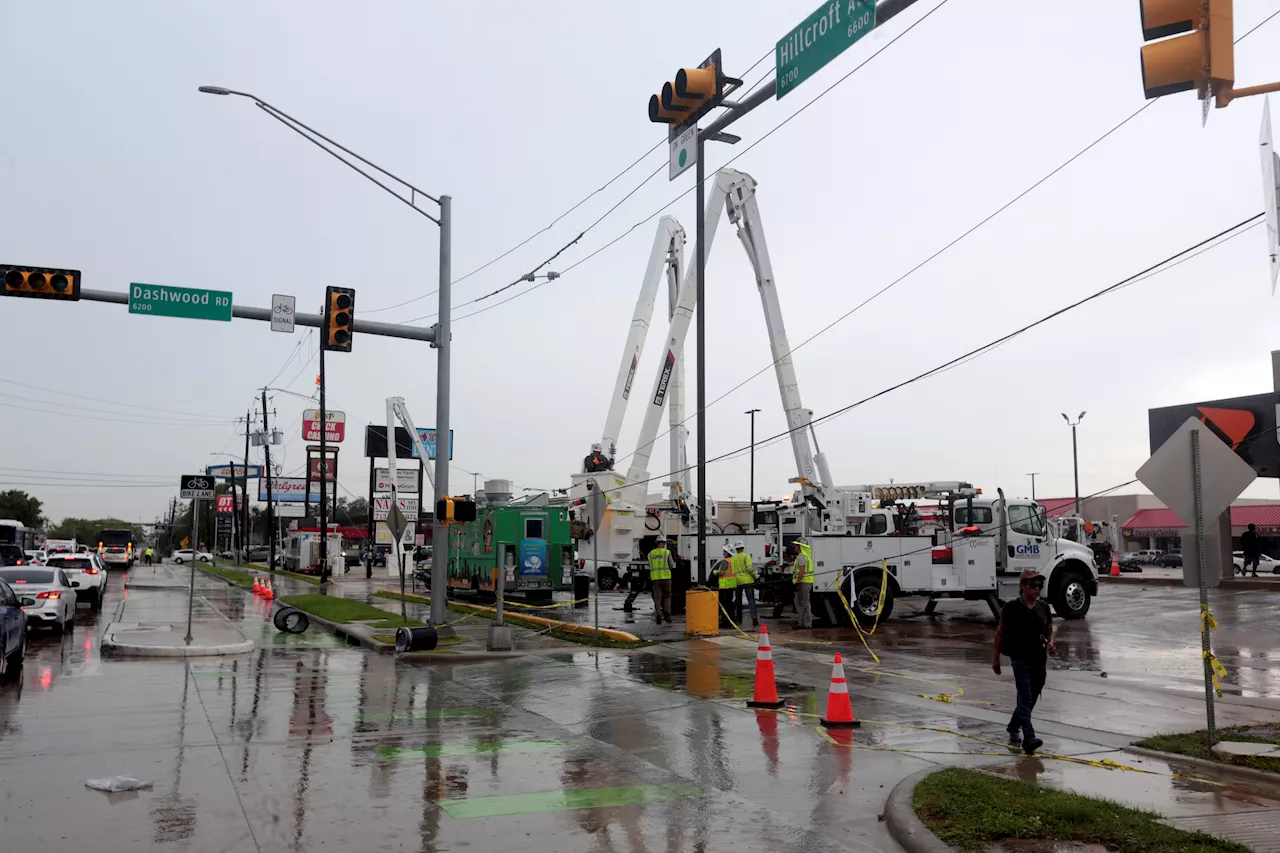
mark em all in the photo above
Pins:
pixel 382 507
pixel 226 504
pixel 335 425
pixel 288 489
pixel 406 480
pixel 1246 424
pixel 375 442
pixel 331 470
pixel 237 471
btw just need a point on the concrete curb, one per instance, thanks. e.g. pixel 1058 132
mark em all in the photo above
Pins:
pixel 1250 773
pixel 570 627
pixel 1138 580
pixel 134 650
pixel 901 820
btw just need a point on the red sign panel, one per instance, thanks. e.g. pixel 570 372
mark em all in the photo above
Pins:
pixel 226 503
pixel 331 474
pixel 335 426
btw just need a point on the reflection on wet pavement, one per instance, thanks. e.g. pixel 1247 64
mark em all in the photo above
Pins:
pixel 309 744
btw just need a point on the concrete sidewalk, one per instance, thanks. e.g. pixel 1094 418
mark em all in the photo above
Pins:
pixel 152 620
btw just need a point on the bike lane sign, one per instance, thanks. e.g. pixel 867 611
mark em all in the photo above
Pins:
pixel 196 487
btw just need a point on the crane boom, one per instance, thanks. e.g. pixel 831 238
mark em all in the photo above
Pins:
pixel 666 255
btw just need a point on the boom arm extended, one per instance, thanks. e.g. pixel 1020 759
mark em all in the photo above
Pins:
pixel 667 255
pixel 397 409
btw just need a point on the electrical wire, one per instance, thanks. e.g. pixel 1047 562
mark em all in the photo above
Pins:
pixel 97 418
pixel 130 406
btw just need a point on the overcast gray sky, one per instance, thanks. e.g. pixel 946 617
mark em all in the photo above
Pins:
pixel 113 163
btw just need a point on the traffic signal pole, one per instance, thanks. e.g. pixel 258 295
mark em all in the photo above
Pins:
pixel 324 478
pixel 444 345
pixel 271 498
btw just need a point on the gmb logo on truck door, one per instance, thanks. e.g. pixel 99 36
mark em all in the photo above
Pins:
pixel 1027 550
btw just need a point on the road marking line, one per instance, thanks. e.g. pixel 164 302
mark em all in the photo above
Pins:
pixel 560 801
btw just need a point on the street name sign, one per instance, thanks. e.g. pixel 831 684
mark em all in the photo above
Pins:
pixel 193 303
pixel 282 312
pixel 335 425
pixel 820 38
pixel 196 487
pixel 684 151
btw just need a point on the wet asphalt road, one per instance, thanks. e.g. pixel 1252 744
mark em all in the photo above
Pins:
pixel 306 744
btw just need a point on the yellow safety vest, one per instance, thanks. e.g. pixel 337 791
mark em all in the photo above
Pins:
pixel 728 578
pixel 743 568
pixel 659 564
pixel 806 571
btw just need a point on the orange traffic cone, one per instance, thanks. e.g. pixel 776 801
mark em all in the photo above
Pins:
pixel 765 694
pixel 839 711
pixel 257 590
pixel 268 593
pixel 1115 565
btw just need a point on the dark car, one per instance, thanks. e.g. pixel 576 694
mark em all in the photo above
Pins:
pixel 13 633
pixel 1170 560
pixel 12 555
pixel 1130 562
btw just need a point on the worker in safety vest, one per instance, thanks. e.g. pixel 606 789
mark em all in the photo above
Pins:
pixel 660 577
pixel 744 572
pixel 802 565
pixel 148 556
pixel 727 580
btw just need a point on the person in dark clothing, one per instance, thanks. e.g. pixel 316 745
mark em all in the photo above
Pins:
pixel 1025 636
pixel 596 461
pixel 1252 550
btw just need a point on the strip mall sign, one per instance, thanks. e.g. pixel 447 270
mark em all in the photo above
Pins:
pixel 1246 424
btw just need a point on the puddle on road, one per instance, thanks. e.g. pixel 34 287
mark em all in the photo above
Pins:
pixel 453 750
pixel 558 801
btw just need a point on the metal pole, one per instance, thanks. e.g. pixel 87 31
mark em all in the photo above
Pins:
pixel 700 316
pixel 369 546
pixel 246 533
pixel 195 549
pixel 1204 586
pixel 235 512
pixel 595 556
pixel 324 478
pixel 502 590
pixel 752 496
pixel 266 444
pixel 1033 485
pixel 440 533
pixel 1075 466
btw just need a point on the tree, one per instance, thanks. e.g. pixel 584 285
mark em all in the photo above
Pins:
pixel 24 507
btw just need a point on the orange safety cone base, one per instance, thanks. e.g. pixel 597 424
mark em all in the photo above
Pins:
pixel 774 705
pixel 837 724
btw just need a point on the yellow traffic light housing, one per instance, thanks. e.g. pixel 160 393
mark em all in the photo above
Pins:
pixel 455 511
pixel 693 93
pixel 1203 59
pixel 339 318
pixel 41 282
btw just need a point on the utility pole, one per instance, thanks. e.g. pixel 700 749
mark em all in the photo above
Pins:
pixel 235 515
pixel 324 477
pixel 1032 475
pixel 266 445
pixel 245 533
pixel 751 496
pixel 1075 456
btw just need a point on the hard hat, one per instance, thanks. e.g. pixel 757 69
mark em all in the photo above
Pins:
pixel 596 446
pixel 1030 574
pixel 662 539
pixel 739 545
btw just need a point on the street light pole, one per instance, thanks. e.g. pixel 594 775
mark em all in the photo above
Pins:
pixel 442 329
pixel 1032 475
pixel 1075 456
pixel 751 495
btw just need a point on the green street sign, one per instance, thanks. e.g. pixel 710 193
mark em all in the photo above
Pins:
pixel 820 38
pixel 160 300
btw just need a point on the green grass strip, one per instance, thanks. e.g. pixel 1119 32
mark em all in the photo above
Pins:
pixel 1196 744
pixel 453 750
pixel 343 609
pixel 562 801
pixel 971 811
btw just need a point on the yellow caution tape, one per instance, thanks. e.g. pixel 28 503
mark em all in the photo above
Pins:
pixel 1206 618
pixel 1217 670
pixel 731 622
pixel 854 619
pixel 506 603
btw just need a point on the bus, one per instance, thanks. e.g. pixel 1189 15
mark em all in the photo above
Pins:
pixel 16 539
pixel 116 547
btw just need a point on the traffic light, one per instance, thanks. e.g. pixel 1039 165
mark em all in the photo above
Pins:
pixel 1203 59
pixel 694 93
pixel 339 317
pixel 455 510
pixel 41 282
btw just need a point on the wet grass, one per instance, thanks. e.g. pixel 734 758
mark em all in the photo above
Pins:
pixel 241 574
pixel 1196 745
pixel 515 619
pixel 345 610
pixel 971 810
pixel 234 575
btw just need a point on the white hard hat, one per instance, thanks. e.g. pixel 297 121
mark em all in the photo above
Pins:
pixel 740 545
pixel 596 446
pixel 662 539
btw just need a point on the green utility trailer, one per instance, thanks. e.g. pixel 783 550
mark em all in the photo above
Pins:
pixel 531 543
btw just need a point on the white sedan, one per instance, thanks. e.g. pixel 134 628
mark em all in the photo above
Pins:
pixel 1266 565
pixel 46 594
pixel 186 555
pixel 87 573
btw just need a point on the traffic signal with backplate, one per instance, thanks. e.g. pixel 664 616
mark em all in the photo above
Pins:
pixel 694 93
pixel 455 510
pixel 339 318
pixel 1177 64
pixel 41 282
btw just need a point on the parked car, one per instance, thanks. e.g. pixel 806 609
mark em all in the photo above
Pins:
pixel 12 555
pixel 1266 565
pixel 258 553
pixel 1147 556
pixel 186 555
pixel 1171 560
pixel 13 633
pixel 87 573
pixel 45 593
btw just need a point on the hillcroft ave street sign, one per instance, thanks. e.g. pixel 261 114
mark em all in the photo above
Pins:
pixel 820 38
pixel 192 303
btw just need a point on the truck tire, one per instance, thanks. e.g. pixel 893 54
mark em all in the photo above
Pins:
pixel 608 578
pixel 864 598
pixel 1070 596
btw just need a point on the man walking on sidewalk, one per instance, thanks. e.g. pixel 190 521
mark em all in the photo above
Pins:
pixel 1252 551
pixel 1025 636
pixel 660 578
